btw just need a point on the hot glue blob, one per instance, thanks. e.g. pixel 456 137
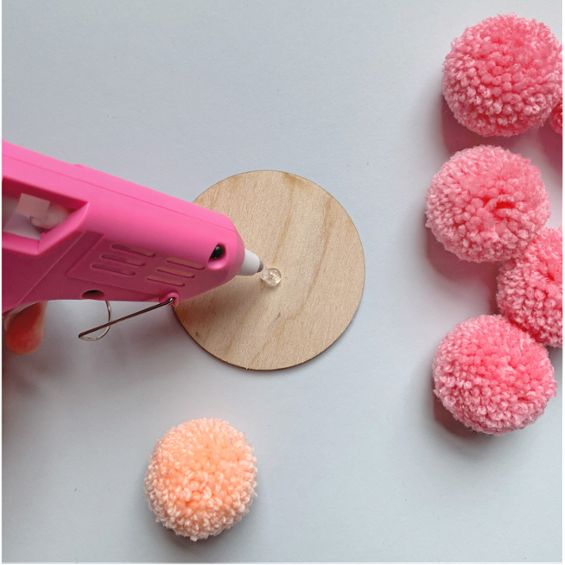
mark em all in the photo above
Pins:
pixel 271 277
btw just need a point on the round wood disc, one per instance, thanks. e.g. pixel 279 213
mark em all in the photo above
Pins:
pixel 299 228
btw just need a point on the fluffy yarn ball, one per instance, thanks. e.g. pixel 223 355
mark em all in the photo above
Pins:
pixel 503 75
pixel 530 288
pixel 556 119
pixel 492 376
pixel 486 204
pixel 201 478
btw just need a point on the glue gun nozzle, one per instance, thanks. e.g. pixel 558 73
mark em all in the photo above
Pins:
pixel 251 264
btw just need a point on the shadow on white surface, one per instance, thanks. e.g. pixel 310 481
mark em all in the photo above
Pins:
pixel 552 144
pixel 457 137
pixel 444 418
pixel 454 269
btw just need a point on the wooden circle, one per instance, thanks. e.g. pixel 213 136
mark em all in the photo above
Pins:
pixel 299 228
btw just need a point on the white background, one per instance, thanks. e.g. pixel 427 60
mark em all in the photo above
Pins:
pixel 356 461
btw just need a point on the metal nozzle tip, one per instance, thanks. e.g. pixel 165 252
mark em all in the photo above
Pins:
pixel 251 264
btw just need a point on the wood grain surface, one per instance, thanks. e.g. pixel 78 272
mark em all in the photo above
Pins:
pixel 296 226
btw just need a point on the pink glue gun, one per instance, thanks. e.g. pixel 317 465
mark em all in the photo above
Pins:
pixel 70 232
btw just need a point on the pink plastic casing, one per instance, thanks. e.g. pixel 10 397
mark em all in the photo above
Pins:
pixel 122 240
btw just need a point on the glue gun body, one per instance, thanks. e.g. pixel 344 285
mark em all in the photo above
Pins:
pixel 70 232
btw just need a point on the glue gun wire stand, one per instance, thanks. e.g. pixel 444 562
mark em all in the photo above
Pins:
pixel 87 334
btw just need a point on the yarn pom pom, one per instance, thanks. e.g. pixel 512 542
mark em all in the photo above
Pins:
pixel 556 118
pixel 486 204
pixel 201 478
pixel 530 288
pixel 492 376
pixel 503 75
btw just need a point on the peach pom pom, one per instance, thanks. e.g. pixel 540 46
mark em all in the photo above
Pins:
pixel 486 204
pixel 201 478
pixel 503 75
pixel 530 288
pixel 492 376
pixel 556 119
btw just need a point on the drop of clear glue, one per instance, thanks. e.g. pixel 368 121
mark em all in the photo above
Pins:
pixel 271 277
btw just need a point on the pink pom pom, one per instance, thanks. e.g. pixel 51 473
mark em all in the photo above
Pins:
pixel 530 288
pixel 503 75
pixel 201 478
pixel 492 376
pixel 486 204
pixel 556 118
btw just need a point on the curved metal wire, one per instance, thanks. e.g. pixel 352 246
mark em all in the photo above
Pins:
pixel 106 327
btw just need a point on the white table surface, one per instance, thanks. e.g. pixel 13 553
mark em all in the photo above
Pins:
pixel 356 461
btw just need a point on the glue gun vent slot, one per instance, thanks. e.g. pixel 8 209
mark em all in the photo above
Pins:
pixel 165 279
pixel 184 263
pixel 113 269
pixel 176 272
pixel 132 250
pixel 123 259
